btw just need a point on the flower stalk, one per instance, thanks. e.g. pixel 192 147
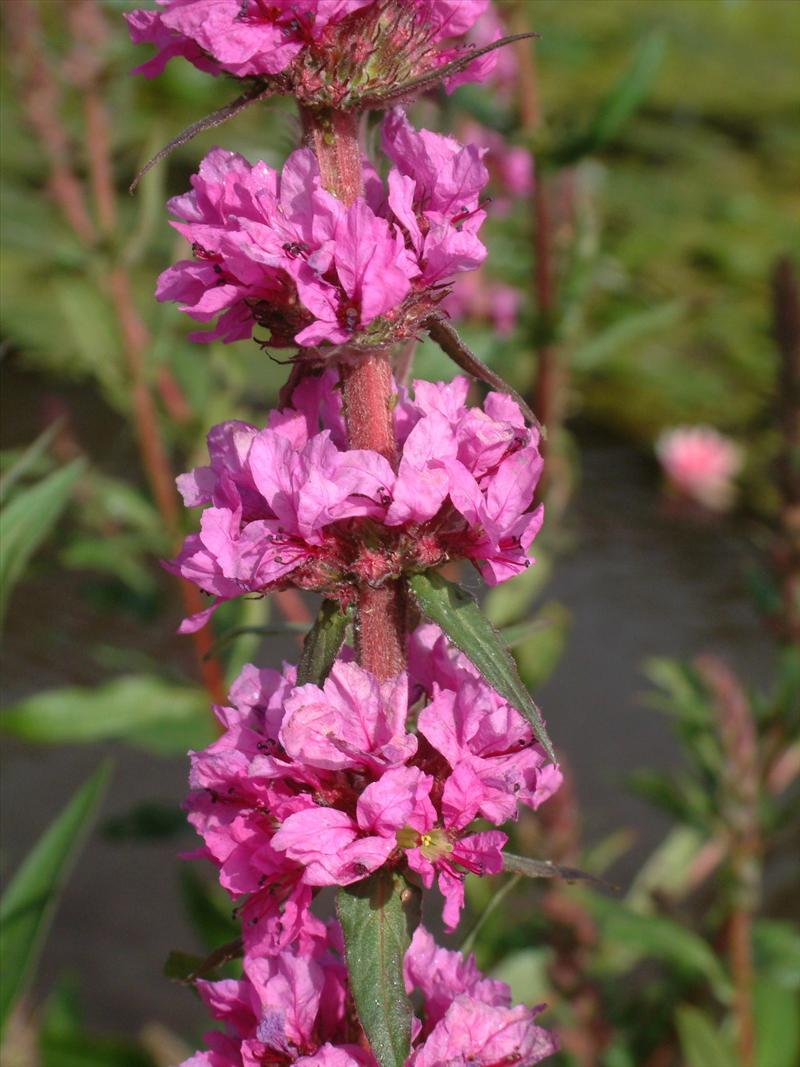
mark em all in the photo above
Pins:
pixel 368 771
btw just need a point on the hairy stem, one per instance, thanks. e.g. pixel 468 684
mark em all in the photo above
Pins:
pixel 368 393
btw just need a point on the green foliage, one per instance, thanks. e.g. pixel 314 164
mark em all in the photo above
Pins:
pixel 27 462
pixel 142 709
pixel 628 938
pixel 777 952
pixel 777 1017
pixel 27 520
pixel 702 1043
pixel 30 899
pixel 65 1042
pixel 525 971
pixel 322 644
pixel 462 620
pixel 624 99
pixel 375 918
pixel 148 821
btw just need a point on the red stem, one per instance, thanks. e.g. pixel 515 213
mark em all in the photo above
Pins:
pixel 547 385
pixel 368 392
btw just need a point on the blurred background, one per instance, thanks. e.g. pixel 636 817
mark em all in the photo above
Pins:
pixel 645 161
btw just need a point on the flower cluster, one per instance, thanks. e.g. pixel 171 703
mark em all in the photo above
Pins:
pixel 277 250
pixel 293 1009
pixel 291 503
pixel 700 464
pixel 336 53
pixel 400 775
pixel 313 786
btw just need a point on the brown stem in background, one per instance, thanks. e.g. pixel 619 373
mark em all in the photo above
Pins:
pixel 42 99
pixel 739 806
pixel 293 608
pixel 547 383
pixel 368 393
pixel 786 550
pixel 545 386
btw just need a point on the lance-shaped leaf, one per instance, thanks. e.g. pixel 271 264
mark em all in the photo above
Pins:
pixel 625 97
pixel 142 709
pixel 449 340
pixel 322 644
pixel 457 613
pixel 27 520
pixel 30 900
pixel 530 868
pixel 376 916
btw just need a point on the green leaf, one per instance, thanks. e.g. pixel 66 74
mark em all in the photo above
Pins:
pixel 142 709
pixel 30 900
pixel 526 972
pixel 148 821
pixel 376 921
pixel 322 644
pixel 625 97
pixel 539 655
pixel 462 620
pixel 64 1042
pixel 666 871
pixel 627 331
pixel 510 602
pixel 530 868
pixel 28 460
pixel 27 520
pixel 777 1015
pixel 701 1041
pixel 629 937
pixel 182 966
pixel 777 952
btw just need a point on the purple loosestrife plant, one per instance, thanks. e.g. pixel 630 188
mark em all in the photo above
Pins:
pixel 375 768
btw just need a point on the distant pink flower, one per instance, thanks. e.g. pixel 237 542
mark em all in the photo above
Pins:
pixel 290 503
pixel 477 298
pixel 511 167
pixel 310 48
pixel 700 463
pixel 276 250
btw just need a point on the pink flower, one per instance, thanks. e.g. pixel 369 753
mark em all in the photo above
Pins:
pixel 276 250
pixel 311 48
pixel 311 786
pixel 286 1009
pixel 468 1018
pixel 352 722
pixel 490 748
pixel 293 1009
pixel 701 464
pixel 477 298
pixel 473 1034
pixel 289 503
pixel 441 975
